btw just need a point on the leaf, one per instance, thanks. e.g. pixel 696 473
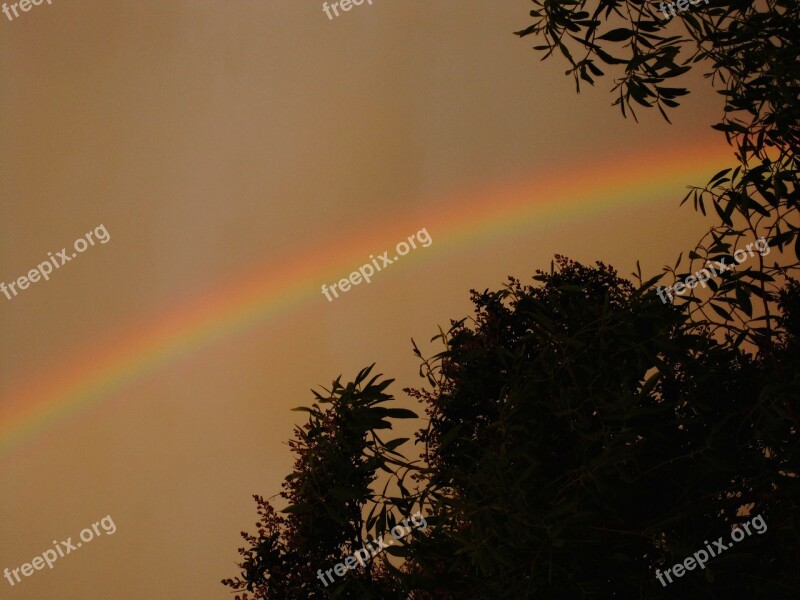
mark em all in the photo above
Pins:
pixel 722 214
pixel 394 444
pixel 797 247
pixel 758 275
pixel 721 312
pixel 617 35
pixel 743 299
pixel 401 413
pixel 594 69
pixel 607 58
pixel 651 281
pixel 718 176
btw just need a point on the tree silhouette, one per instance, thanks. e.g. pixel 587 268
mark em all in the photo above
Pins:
pixel 581 434
pixel 751 49
pixel 338 453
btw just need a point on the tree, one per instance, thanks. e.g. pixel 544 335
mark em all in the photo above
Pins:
pixel 581 436
pixel 338 453
pixel 750 47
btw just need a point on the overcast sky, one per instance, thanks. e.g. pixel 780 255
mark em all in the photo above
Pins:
pixel 214 139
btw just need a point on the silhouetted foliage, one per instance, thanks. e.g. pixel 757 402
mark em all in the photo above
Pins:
pixel 581 436
pixel 751 50
pixel 581 433
pixel 338 453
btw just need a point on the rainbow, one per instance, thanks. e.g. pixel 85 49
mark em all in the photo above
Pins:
pixel 565 194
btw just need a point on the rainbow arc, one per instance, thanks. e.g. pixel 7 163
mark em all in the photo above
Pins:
pixel 28 410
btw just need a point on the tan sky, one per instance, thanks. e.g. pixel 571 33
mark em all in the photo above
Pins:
pixel 211 137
